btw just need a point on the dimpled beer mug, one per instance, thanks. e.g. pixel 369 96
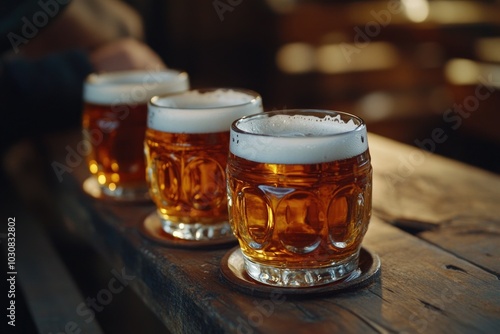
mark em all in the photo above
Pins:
pixel 299 195
pixel 186 149
pixel 114 122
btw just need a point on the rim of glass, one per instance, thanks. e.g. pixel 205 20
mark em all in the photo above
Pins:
pixel 119 77
pixel 291 112
pixel 254 94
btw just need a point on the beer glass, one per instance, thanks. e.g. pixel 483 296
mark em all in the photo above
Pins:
pixel 299 195
pixel 186 149
pixel 114 123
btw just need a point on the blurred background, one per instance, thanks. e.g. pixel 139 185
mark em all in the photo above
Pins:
pixel 423 72
pixel 407 67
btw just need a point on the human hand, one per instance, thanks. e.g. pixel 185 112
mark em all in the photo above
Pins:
pixel 125 54
pixel 86 25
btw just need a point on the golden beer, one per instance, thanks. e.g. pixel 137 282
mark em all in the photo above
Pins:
pixel 299 190
pixel 115 108
pixel 186 149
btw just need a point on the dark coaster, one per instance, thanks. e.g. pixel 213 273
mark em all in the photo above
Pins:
pixel 92 188
pixel 233 272
pixel 152 229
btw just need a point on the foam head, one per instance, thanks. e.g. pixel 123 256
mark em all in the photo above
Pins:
pixel 202 110
pixel 298 137
pixel 132 87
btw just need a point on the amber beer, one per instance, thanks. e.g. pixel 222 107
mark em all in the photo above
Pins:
pixel 299 189
pixel 115 107
pixel 186 148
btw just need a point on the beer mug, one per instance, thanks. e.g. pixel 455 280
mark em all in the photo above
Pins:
pixel 299 195
pixel 114 123
pixel 186 149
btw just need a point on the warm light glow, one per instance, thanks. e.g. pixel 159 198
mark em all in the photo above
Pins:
pixel 416 10
pixel 457 12
pixel 282 6
pixel 112 186
pixel 115 177
pixel 462 71
pixel 488 49
pixel 468 72
pixel 376 106
pixel 331 58
pixel 296 58
pixel 93 167
pixel 101 179
pixel 340 58
pixel 115 167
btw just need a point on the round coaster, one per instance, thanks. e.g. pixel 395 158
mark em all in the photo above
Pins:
pixel 92 188
pixel 233 271
pixel 152 229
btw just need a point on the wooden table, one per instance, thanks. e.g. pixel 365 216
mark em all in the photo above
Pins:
pixel 435 227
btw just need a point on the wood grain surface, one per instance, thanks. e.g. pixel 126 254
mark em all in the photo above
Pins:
pixel 435 226
pixel 443 277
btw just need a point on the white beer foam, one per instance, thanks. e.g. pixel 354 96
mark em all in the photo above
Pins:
pixel 201 111
pixel 132 87
pixel 298 139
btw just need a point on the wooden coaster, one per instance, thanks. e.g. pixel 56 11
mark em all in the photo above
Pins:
pixel 152 229
pixel 233 272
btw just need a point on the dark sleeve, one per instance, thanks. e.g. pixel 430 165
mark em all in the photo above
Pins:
pixel 41 96
pixel 22 20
